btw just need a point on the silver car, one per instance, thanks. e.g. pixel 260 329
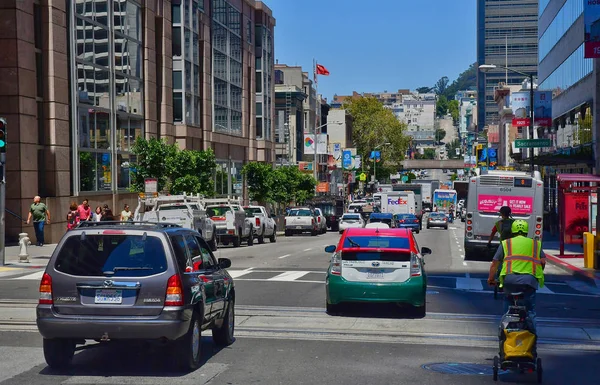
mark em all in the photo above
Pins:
pixel 351 220
pixel 134 281
pixel 437 220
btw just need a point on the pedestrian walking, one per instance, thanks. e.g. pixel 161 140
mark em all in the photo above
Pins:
pixel 85 211
pixel 39 213
pixel 97 216
pixel 72 216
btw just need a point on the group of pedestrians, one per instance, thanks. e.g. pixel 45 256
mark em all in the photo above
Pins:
pixel 39 216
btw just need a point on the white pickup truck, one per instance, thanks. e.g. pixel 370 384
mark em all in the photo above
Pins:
pixel 232 224
pixel 264 225
pixel 301 220
pixel 185 210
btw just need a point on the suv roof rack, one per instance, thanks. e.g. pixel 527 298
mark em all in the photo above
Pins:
pixel 103 223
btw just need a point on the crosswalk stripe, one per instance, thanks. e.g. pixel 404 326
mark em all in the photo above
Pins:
pixel 289 276
pixel 33 277
pixel 469 284
pixel 238 273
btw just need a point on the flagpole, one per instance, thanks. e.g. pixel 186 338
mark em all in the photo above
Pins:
pixel 315 165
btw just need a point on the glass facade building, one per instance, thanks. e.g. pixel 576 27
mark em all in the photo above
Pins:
pixel 507 35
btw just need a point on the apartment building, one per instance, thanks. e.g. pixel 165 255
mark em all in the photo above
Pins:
pixel 82 79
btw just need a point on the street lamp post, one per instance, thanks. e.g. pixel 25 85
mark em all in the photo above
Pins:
pixel 375 160
pixel 487 67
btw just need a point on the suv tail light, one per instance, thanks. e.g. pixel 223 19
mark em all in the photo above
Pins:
pixel 257 222
pixel 46 290
pixel 319 219
pixel 415 265
pixel 174 295
pixel 284 222
pixel 336 263
pixel 312 221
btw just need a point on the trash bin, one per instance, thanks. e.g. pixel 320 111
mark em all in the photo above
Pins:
pixel 589 246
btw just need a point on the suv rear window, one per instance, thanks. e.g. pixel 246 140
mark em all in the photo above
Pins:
pixel 377 241
pixel 219 211
pixel 112 256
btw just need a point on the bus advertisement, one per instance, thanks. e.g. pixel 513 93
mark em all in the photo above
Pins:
pixel 487 193
pixel 444 200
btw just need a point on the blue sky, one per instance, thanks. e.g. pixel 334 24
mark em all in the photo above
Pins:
pixel 388 45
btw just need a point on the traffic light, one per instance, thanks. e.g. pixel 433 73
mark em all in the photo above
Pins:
pixel 2 135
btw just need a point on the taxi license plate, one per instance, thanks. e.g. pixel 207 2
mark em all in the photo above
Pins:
pixel 374 274
pixel 109 296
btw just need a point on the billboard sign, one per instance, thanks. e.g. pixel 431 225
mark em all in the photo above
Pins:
pixel 492 204
pixel 576 221
pixel 337 151
pixel 322 144
pixel 347 159
pixel 591 25
pixel 542 108
pixel 519 102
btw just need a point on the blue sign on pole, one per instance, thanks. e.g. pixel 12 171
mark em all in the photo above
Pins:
pixel 346 159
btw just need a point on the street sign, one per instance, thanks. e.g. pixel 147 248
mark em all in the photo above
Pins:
pixel 150 185
pixel 530 143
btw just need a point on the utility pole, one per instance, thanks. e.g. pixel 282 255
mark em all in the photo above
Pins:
pixel 531 123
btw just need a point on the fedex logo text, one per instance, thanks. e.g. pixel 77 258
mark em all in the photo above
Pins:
pixel 398 201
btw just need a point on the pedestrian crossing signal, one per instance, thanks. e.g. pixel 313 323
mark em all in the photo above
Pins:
pixel 2 135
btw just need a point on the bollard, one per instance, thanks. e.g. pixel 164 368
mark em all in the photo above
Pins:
pixel 23 243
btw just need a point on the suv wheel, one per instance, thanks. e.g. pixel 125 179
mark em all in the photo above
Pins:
pixel 213 243
pixel 223 336
pixel 58 352
pixel 187 350
pixel 273 237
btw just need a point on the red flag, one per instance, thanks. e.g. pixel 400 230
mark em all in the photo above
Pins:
pixel 321 70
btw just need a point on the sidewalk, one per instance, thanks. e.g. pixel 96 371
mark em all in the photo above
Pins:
pixel 38 257
pixel 571 261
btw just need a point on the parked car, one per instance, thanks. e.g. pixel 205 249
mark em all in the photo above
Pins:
pixel 264 224
pixel 351 220
pixel 408 221
pixel 437 220
pixel 321 221
pixel 376 265
pixel 232 223
pixel 138 281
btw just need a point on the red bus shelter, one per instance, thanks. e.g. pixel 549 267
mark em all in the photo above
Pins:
pixel 573 196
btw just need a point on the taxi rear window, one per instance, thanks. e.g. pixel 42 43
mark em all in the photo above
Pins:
pixel 402 256
pixel 377 241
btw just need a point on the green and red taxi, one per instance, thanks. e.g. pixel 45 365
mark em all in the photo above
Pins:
pixel 376 265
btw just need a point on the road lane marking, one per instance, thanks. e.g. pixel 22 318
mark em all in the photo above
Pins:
pixel 469 284
pixel 284 256
pixel 464 263
pixel 239 273
pixel 309 249
pixel 289 276
pixel 33 277
pixel 267 280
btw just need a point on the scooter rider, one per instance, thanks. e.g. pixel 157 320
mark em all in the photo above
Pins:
pixel 523 263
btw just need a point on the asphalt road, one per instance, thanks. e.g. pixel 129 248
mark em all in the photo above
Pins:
pixel 285 337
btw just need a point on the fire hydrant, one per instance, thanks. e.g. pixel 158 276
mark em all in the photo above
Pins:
pixel 23 243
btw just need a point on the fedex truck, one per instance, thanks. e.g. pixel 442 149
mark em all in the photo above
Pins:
pixel 397 202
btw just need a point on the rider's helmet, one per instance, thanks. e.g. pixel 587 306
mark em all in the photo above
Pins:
pixel 505 210
pixel 520 226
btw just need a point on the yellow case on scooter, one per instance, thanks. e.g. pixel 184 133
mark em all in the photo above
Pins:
pixel 519 344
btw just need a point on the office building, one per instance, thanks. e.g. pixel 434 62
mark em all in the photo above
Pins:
pixel 94 75
pixel 507 36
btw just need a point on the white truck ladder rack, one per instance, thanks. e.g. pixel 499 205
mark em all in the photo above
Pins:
pixel 223 201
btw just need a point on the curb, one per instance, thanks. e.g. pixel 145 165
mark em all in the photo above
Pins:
pixel 577 272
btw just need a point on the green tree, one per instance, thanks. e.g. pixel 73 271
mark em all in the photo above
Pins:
pixel 305 188
pixel 424 90
pixel 467 80
pixel 288 184
pixel 429 153
pixel 453 109
pixel 441 85
pixel 451 149
pixel 259 177
pixel 440 134
pixel 374 125
pixel 152 161
pixel 441 106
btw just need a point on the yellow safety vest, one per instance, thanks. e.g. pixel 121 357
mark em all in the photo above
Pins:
pixel 522 256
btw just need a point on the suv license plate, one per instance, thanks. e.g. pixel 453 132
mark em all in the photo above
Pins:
pixel 374 275
pixel 299 227
pixel 109 296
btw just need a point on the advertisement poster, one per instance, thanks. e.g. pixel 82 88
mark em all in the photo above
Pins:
pixel 519 102
pixel 309 144
pixel 322 144
pixel 591 25
pixel 542 108
pixel 492 204
pixel 576 217
pixel 347 159
pixel 336 151
pixel 443 200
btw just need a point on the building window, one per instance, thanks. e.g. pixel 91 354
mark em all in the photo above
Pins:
pixel 177 107
pixel 258 82
pixel 176 13
pixel 177 81
pixel 176 41
pixel 259 127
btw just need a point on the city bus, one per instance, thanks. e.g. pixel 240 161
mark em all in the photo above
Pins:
pixel 488 192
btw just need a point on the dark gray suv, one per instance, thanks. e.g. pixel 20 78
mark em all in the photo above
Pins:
pixel 134 281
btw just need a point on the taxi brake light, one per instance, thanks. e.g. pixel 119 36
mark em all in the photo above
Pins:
pixel 336 266
pixel 415 265
pixel 113 232
pixel 46 290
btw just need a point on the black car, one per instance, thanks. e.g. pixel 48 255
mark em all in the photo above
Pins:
pixel 132 281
